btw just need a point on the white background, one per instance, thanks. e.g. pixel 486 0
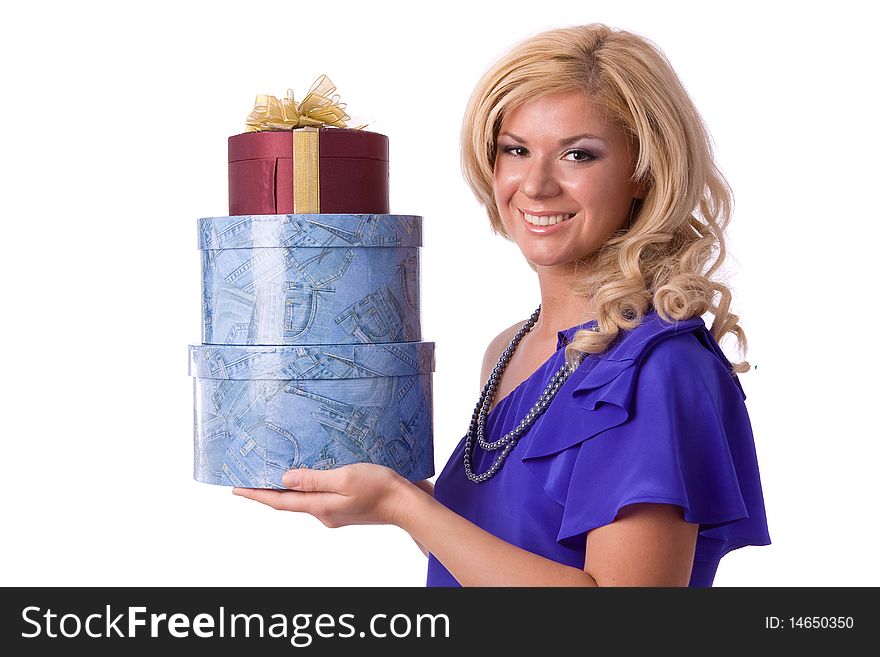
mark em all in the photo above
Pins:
pixel 114 127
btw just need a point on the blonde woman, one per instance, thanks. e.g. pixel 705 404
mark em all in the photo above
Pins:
pixel 611 445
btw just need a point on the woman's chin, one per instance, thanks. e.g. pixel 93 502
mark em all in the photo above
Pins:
pixel 545 260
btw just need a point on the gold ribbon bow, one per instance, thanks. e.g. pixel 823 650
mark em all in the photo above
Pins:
pixel 320 108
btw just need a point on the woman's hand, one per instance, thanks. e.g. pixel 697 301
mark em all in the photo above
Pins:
pixel 357 494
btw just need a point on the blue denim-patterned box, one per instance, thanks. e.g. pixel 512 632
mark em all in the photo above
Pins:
pixel 310 279
pixel 260 411
pixel 311 353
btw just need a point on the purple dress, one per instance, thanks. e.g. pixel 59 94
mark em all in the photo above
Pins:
pixel 658 417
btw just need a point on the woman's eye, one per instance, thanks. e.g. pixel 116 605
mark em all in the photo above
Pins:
pixel 516 151
pixel 579 156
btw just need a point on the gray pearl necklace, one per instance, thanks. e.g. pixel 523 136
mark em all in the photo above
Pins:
pixel 506 443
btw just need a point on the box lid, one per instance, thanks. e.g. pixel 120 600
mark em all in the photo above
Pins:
pixel 302 362
pixel 315 230
pixel 333 143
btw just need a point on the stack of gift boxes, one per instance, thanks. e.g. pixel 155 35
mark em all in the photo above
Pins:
pixel 311 351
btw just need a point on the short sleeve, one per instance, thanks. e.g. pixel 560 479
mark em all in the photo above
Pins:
pixel 667 426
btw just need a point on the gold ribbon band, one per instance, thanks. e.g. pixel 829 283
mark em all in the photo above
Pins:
pixel 306 172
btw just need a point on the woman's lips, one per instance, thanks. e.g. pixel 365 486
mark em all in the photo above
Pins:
pixel 543 230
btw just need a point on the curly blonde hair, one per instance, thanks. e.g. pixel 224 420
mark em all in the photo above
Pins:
pixel 661 257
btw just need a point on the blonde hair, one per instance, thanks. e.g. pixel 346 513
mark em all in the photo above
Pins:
pixel 660 257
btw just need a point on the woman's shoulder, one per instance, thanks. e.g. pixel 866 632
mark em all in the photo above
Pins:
pixel 633 344
pixel 651 371
pixel 496 347
pixel 684 349
pixel 670 346
pixel 500 341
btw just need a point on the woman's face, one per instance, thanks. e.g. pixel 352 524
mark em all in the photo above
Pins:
pixel 559 162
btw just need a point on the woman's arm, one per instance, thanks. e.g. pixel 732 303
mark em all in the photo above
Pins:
pixel 366 493
pixel 472 555
pixel 428 487
pixel 647 545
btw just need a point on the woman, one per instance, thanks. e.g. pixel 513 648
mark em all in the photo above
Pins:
pixel 611 444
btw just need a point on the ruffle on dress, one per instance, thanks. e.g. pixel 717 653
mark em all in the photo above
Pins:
pixel 659 417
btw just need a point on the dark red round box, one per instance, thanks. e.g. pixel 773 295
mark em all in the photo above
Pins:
pixel 353 172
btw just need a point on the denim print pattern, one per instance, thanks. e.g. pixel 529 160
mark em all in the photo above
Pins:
pixel 366 403
pixel 311 353
pixel 321 362
pixel 309 230
pixel 410 281
pixel 310 279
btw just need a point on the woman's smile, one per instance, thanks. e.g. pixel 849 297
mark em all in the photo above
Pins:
pixel 545 223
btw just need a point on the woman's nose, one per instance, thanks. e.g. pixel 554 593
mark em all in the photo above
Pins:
pixel 539 180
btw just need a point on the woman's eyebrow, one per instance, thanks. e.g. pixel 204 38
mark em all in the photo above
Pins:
pixel 571 140
pixel 562 142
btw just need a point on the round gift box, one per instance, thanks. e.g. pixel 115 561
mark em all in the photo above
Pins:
pixel 260 411
pixel 310 279
pixel 351 169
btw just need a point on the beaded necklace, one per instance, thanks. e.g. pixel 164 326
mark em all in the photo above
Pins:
pixel 506 443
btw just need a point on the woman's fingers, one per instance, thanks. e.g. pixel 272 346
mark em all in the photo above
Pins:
pixel 312 491
pixel 284 500
pixel 273 498
pixel 359 493
pixel 308 480
pixel 323 506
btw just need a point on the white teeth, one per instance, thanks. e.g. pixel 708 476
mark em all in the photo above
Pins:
pixel 546 220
